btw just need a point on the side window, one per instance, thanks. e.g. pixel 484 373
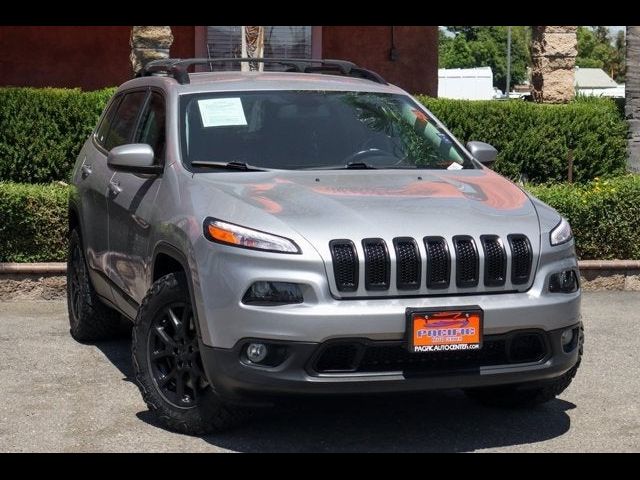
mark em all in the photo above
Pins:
pixel 124 120
pixel 151 127
pixel 105 125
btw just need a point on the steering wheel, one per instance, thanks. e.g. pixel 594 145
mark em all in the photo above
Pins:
pixel 358 156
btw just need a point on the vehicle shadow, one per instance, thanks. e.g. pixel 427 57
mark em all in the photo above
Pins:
pixel 442 421
pixel 118 352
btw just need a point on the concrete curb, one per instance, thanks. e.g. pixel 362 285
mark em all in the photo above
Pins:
pixel 50 268
pixel 47 281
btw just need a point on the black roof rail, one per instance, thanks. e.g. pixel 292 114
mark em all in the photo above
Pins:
pixel 178 67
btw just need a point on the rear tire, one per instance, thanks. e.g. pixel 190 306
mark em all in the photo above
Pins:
pixel 520 396
pixel 89 318
pixel 168 367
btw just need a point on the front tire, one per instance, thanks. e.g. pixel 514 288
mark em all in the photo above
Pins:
pixel 167 363
pixel 89 318
pixel 520 396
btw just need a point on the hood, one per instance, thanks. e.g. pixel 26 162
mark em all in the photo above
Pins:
pixel 355 204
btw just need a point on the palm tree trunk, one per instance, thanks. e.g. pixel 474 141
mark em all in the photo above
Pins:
pixel 149 43
pixel 553 57
pixel 632 93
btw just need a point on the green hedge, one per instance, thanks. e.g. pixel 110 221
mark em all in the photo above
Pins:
pixel 603 214
pixel 533 139
pixel 33 222
pixel 43 129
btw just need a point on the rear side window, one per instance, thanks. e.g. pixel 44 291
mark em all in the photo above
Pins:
pixel 124 121
pixel 151 127
pixel 105 125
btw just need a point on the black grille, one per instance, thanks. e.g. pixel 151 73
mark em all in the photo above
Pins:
pixel 495 261
pixel 521 257
pixel 409 268
pixel 339 357
pixel 345 264
pixel 371 357
pixel 466 261
pixel 438 262
pixel 376 264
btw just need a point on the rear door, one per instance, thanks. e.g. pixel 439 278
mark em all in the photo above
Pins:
pixel 131 204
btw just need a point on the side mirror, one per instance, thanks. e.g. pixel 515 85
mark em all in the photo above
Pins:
pixel 483 152
pixel 134 158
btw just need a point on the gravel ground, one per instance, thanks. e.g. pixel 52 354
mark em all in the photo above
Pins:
pixel 59 396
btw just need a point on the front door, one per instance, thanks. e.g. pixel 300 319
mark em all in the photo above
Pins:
pixel 131 203
pixel 92 180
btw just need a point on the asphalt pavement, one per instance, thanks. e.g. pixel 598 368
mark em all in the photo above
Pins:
pixel 57 395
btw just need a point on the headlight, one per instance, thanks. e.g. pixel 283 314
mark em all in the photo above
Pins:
pixel 561 233
pixel 230 234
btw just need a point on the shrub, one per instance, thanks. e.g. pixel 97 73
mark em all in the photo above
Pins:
pixel 533 140
pixel 33 222
pixel 42 130
pixel 603 214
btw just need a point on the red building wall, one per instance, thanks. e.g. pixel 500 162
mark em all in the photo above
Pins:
pixel 86 57
pixel 416 66
pixel 96 57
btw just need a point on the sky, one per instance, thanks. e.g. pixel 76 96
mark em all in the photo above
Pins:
pixel 614 31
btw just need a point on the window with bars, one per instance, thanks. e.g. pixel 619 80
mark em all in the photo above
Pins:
pixel 279 41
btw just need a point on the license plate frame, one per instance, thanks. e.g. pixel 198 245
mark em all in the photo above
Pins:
pixel 453 321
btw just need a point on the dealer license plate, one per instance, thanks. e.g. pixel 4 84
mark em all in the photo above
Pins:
pixel 439 330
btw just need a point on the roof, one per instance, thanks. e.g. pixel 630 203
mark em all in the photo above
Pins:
pixel 247 81
pixel 593 78
pixel 479 72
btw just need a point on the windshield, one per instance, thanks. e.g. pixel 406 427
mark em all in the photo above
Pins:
pixel 313 130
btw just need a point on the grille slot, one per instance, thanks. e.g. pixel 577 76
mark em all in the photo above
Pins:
pixel 438 262
pixel 467 261
pixel 376 264
pixel 495 261
pixel 408 263
pixel 521 258
pixel 373 357
pixel 345 264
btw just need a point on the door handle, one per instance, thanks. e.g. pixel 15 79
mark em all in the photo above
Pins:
pixel 114 187
pixel 86 170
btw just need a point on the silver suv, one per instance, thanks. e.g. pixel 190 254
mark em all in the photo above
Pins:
pixel 311 231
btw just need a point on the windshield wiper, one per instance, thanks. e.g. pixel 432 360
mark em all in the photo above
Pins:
pixel 356 165
pixel 348 166
pixel 227 166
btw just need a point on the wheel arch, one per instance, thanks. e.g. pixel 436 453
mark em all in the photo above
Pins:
pixel 168 259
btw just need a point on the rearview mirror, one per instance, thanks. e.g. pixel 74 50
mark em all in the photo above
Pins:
pixel 134 158
pixel 483 152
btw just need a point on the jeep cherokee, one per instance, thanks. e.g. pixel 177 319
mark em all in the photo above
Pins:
pixel 310 231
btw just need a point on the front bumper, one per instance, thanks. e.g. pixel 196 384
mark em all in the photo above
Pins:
pixel 224 319
pixel 236 380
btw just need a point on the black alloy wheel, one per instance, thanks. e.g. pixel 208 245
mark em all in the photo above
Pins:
pixel 174 356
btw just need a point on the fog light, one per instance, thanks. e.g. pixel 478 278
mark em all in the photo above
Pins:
pixel 567 337
pixel 257 352
pixel 272 294
pixel 564 282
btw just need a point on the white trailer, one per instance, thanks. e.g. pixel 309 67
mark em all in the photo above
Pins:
pixel 467 83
